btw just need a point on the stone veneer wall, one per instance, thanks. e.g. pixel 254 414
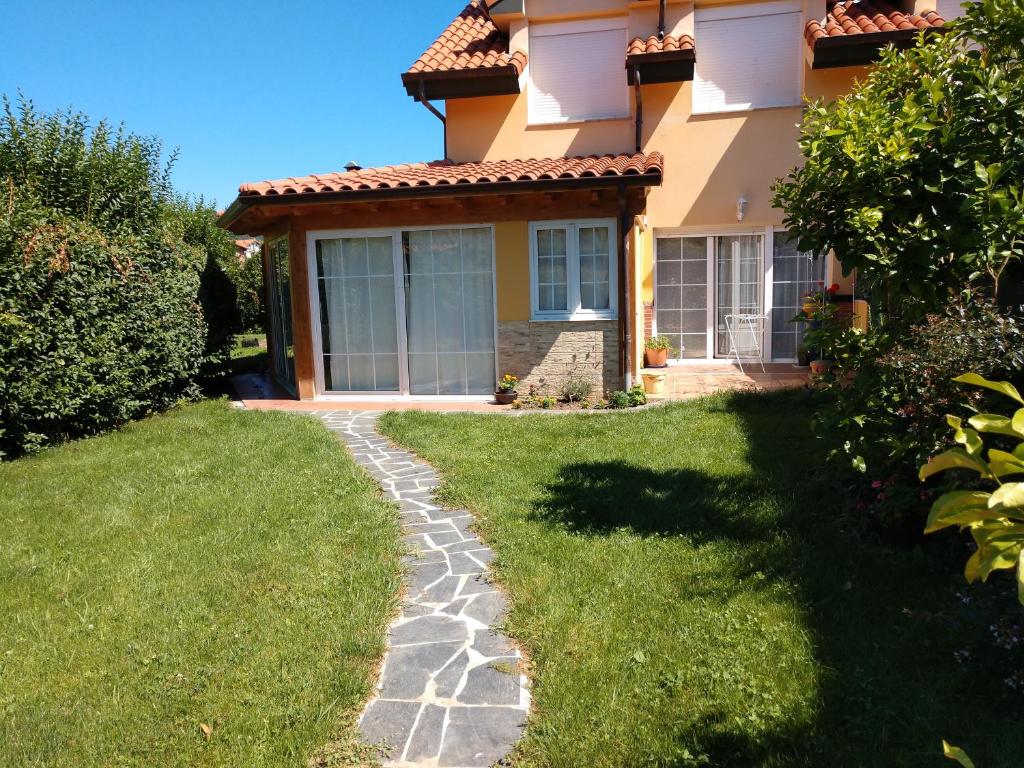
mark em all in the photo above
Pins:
pixel 545 353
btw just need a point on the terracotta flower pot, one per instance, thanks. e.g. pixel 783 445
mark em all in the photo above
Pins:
pixel 656 358
pixel 654 383
pixel 505 398
pixel 808 308
pixel 821 366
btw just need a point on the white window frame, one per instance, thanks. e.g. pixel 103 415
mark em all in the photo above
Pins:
pixel 556 29
pixel 710 233
pixel 752 11
pixel 575 311
pixel 398 259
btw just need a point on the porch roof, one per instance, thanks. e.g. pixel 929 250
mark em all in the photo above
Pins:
pixel 853 31
pixel 444 178
pixel 665 60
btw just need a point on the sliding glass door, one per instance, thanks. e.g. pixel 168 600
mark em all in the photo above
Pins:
pixel 358 314
pixel 406 311
pixel 449 297
pixel 739 268
pixel 793 274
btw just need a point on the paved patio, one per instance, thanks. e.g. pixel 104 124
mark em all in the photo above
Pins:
pixel 453 690
pixel 682 382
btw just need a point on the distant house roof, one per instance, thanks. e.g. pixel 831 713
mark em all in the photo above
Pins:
pixel 665 60
pixel 470 58
pixel 853 31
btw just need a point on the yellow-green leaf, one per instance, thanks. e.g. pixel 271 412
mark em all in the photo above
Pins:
pixel 971 567
pixel 1003 387
pixel 1008 495
pixel 1003 464
pixel 954 458
pixel 1020 576
pixel 998 554
pixel 955 753
pixel 958 508
pixel 995 424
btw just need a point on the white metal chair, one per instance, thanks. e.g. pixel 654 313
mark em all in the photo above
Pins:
pixel 735 324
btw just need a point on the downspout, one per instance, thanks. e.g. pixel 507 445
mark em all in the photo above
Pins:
pixel 639 107
pixel 422 99
pixel 625 280
pixel 661 20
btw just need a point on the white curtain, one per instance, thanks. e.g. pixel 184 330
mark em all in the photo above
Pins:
pixel 449 311
pixel 357 314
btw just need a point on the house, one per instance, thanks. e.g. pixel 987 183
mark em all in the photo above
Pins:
pixel 606 177
pixel 246 248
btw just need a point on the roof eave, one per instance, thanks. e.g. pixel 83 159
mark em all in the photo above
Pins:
pixel 234 212
pixel 860 49
pixel 462 83
pixel 661 66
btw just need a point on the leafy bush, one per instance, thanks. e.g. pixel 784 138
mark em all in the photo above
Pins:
pixel 636 395
pixel 576 386
pixel 618 399
pixel 248 279
pixel 913 178
pixel 100 319
pixel 994 518
pixel 884 412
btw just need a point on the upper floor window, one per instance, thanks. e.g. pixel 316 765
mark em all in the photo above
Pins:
pixel 949 9
pixel 572 269
pixel 576 71
pixel 749 57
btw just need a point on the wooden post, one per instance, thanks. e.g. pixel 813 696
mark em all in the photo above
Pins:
pixel 302 320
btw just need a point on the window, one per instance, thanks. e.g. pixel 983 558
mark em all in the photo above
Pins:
pixel 576 72
pixel 572 270
pixel 949 9
pixel 282 344
pixel 749 57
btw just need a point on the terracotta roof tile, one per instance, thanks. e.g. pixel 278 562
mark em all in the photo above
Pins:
pixel 652 44
pixel 865 17
pixel 446 173
pixel 471 41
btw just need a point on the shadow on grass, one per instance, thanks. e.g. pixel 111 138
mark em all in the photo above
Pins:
pixel 884 623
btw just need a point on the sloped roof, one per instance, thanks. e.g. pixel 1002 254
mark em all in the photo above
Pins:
pixel 471 41
pixel 652 44
pixel 445 173
pixel 867 17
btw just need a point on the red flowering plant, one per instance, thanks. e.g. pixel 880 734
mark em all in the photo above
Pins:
pixel 819 312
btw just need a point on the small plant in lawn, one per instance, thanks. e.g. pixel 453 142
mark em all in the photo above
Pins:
pixel 636 396
pixel 995 519
pixel 618 399
pixel 576 388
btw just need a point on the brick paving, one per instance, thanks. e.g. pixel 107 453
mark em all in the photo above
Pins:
pixel 452 691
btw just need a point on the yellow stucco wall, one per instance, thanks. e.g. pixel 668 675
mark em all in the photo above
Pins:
pixel 512 270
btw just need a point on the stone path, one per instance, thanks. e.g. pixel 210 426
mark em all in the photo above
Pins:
pixel 451 693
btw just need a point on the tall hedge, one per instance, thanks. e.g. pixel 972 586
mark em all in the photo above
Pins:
pixel 100 312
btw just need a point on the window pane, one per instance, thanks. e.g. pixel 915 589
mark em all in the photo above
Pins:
pixel 594 284
pixel 793 274
pixel 552 270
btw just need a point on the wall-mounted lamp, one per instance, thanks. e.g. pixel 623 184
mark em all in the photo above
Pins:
pixel 741 208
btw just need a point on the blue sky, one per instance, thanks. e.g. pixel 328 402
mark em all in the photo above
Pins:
pixel 246 90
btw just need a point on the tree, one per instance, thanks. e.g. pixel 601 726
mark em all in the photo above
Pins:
pixel 915 178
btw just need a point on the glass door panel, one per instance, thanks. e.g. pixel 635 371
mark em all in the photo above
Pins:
pixel 793 275
pixel 282 344
pixel 358 314
pixel 681 294
pixel 738 260
pixel 449 299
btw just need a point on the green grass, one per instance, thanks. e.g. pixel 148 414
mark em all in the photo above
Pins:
pixel 206 566
pixel 248 359
pixel 687 595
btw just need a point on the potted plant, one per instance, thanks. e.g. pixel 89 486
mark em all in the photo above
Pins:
pixel 819 313
pixel 505 392
pixel 656 350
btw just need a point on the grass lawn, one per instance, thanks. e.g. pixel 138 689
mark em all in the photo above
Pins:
pixel 688 596
pixel 208 566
